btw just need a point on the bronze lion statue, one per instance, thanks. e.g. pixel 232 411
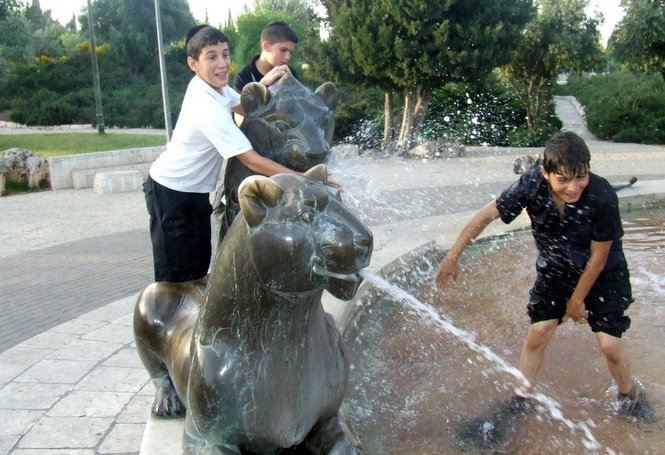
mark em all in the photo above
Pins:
pixel 285 122
pixel 251 355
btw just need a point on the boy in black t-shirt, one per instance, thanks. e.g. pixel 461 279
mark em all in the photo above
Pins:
pixel 278 40
pixel 582 273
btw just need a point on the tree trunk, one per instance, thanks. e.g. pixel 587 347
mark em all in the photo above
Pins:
pixel 404 141
pixel 416 105
pixel 389 122
pixel 422 106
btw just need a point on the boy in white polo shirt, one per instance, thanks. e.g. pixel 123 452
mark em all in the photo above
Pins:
pixel 180 180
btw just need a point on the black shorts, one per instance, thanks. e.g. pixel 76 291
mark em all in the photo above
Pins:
pixel 606 303
pixel 180 231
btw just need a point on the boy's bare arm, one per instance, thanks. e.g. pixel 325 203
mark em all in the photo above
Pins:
pixel 594 266
pixel 472 230
pixel 265 166
pixel 262 165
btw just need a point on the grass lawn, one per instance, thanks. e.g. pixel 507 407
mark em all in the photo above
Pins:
pixel 58 144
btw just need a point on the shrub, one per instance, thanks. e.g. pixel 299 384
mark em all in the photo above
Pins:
pixel 359 117
pixel 623 106
pixel 473 114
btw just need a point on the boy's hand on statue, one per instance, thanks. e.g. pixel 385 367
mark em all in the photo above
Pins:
pixel 274 75
pixel 448 269
pixel 576 311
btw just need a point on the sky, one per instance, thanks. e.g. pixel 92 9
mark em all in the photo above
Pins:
pixel 218 10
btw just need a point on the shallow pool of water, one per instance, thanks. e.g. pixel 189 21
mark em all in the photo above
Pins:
pixel 413 383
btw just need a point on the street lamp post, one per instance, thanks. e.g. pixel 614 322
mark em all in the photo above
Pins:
pixel 162 69
pixel 95 74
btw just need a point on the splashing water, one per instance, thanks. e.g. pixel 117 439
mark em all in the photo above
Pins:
pixel 430 315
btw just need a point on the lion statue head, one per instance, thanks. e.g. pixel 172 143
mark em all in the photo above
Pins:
pixel 301 235
pixel 285 122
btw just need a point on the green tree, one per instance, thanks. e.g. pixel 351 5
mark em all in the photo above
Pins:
pixel 38 19
pixel 639 39
pixel 413 46
pixel 561 38
pixel 8 8
pixel 71 25
pixel 47 41
pixel 15 39
pixel 129 27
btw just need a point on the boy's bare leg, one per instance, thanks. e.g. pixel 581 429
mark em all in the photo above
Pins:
pixel 533 351
pixel 632 398
pixel 500 425
pixel 618 361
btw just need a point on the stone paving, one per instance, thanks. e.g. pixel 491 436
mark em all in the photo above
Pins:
pixel 73 262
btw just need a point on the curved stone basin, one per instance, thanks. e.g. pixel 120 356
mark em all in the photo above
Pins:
pixel 412 383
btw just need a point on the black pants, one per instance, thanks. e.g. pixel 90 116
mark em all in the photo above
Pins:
pixel 180 232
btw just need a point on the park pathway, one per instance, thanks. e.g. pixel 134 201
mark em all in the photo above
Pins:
pixel 571 114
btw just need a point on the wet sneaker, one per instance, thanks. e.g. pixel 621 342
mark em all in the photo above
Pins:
pixel 496 429
pixel 636 405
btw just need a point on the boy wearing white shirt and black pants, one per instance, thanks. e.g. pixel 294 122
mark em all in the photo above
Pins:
pixel 180 180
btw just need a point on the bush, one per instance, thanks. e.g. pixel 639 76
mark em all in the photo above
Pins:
pixel 359 117
pixel 474 114
pixel 623 106
pixel 61 92
pixel 524 137
pixel 486 113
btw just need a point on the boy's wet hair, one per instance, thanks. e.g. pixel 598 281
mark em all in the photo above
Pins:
pixel 278 32
pixel 566 153
pixel 201 36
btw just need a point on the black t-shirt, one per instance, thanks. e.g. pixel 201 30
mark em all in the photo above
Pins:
pixel 565 241
pixel 250 73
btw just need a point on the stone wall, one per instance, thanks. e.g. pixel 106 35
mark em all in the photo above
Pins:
pixel 78 171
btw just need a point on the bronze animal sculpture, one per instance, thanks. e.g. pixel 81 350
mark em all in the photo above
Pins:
pixel 254 358
pixel 285 122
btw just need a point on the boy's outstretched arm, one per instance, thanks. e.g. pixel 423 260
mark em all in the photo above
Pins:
pixel 575 309
pixel 472 230
pixel 262 165
pixel 265 166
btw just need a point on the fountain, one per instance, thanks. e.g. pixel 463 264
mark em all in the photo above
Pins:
pixel 411 382
pixel 421 361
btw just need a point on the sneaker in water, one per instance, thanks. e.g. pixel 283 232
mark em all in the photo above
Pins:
pixel 635 405
pixel 496 429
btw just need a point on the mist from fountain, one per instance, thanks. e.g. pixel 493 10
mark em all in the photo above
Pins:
pixel 431 317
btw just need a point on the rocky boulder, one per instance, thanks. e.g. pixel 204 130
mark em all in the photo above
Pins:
pixel 23 166
pixel 436 149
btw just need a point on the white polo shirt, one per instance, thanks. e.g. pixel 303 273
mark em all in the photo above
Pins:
pixel 205 134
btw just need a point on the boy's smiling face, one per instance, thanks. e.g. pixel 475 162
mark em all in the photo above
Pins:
pixel 213 65
pixel 566 185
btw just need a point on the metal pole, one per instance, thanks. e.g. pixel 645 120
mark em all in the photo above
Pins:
pixel 95 74
pixel 162 70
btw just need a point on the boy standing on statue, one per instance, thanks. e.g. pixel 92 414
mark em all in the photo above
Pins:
pixel 277 43
pixel 181 178
pixel 582 273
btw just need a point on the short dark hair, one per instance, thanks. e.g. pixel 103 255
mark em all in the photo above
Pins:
pixel 201 36
pixel 566 151
pixel 277 32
